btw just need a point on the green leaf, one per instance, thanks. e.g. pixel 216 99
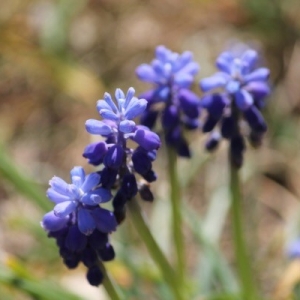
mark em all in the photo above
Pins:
pixel 296 292
pixel 23 184
pixel 212 264
pixel 40 289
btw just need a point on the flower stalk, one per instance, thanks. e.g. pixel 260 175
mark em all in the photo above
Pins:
pixel 108 284
pixel 154 250
pixel 175 196
pixel 242 257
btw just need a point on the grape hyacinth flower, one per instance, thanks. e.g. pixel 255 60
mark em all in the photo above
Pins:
pixel 293 250
pixel 172 75
pixel 244 89
pixel 78 223
pixel 119 161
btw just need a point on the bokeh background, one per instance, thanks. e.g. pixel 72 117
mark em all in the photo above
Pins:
pixel 58 57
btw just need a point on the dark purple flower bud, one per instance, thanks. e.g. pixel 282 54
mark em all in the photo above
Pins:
pixel 229 127
pixel 107 253
pixel 114 157
pixel 59 233
pixel 129 186
pixel 108 177
pixel 213 141
pixel 150 176
pixel 189 103
pixel 89 257
pixel 255 138
pixel 255 119
pixel 151 154
pixel 183 148
pixel 64 252
pixel 70 259
pixel 72 262
pixel 60 236
pixel 170 117
pixel 141 161
pixel 98 239
pixel 173 136
pixel 176 140
pixel 111 139
pixel 119 200
pixel 237 144
pixel 75 240
pixel 94 276
pixel 237 147
pixel 146 193
pixel 215 105
pixel 60 241
pixel 147 139
pixel 209 124
pixel 95 152
pixel 120 214
pixel 149 118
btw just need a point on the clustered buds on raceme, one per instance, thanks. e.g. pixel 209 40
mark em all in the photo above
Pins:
pixel 243 96
pixel 172 75
pixel 120 162
pixel 79 224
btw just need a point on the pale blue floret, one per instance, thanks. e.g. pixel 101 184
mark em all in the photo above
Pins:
pixel 169 68
pixel 118 119
pixel 98 127
pixel 128 107
pixel 82 197
pixel 239 78
pixel 293 250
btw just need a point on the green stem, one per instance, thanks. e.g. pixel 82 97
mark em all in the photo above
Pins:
pixel 175 195
pixel 154 250
pixel 243 262
pixel 108 284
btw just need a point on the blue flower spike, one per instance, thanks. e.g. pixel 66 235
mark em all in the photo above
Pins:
pixel 121 163
pixel 171 75
pixel 77 220
pixel 242 92
pixel 78 223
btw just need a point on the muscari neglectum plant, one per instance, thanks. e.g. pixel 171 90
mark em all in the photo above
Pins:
pixel 234 98
pixel 77 222
pixel 234 113
pixel 243 91
pixel 174 108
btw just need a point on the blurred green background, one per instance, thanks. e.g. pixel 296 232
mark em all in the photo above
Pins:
pixel 58 57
